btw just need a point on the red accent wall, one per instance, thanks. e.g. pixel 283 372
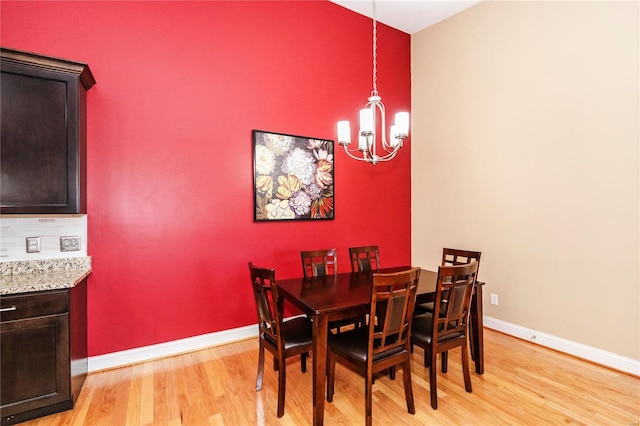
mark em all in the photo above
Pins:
pixel 180 87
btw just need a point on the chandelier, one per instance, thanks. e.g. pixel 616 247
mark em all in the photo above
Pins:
pixel 367 149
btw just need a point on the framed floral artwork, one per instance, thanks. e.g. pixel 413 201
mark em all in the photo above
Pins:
pixel 293 177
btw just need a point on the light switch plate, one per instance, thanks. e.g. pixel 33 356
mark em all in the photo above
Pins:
pixel 69 243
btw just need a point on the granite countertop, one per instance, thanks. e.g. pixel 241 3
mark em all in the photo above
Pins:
pixel 38 275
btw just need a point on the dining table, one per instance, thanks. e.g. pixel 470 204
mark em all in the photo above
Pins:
pixel 347 295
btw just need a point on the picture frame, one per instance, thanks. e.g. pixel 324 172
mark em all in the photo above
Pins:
pixel 293 177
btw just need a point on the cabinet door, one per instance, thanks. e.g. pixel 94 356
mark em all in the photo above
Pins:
pixel 40 151
pixel 34 360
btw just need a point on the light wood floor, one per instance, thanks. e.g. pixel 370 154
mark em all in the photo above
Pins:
pixel 523 384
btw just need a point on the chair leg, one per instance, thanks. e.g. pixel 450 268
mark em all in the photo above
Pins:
pixel 392 372
pixel 331 374
pixel 260 367
pixel 282 381
pixel 303 361
pixel 471 349
pixel 368 391
pixel 433 386
pixel 408 389
pixel 465 368
pixel 474 312
pixel 445 358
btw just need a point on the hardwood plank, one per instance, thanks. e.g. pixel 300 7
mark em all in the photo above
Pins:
pixel 135 394
pixel 120 386
pixel 523 384
pixel 146 394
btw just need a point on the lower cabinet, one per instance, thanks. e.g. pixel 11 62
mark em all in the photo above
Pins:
pixel 43 352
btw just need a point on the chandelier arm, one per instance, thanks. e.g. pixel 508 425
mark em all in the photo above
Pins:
pixel 349 153
pixel 389 156
pixel 372 141
pixel 383 129
pixel 369 158
pixel 346 148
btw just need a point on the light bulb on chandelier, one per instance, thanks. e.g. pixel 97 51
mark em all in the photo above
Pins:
pixel 367 146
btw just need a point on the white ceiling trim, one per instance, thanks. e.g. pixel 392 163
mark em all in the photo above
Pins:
pixel 409 16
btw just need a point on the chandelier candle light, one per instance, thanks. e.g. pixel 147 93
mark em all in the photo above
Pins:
pixel 367 150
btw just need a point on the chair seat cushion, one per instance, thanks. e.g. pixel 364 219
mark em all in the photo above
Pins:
pixel 296 331
pixel 422 328
pixel 354 343
pixel 423 308
pixel 427 308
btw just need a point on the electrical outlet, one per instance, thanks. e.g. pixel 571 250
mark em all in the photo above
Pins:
pixel 494 299
pixel 69 243
pixel 33 244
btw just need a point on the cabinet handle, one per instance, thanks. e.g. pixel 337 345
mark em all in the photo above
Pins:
pixel 11 308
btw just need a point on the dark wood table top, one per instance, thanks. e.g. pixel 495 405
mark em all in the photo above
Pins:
pixel 344 291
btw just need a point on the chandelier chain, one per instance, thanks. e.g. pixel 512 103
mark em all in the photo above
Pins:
pixel 375 52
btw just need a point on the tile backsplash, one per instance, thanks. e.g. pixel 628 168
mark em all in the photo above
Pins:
pixel 14 230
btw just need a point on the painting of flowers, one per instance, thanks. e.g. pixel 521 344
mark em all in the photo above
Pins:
pixel 293 177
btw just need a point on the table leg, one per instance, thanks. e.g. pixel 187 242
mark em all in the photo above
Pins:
pixel 320 330
pixel 477 329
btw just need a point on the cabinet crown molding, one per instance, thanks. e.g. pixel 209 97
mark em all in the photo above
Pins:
pixel 81 70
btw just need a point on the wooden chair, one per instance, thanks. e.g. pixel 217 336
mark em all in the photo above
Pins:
pixel 317 263
pixel 364 259
pixel 450 257
pixel 440 333
pixel 283 339
pixel 454 257
pixel 374 348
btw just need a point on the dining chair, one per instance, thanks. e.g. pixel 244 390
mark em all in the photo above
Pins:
pixel 440 333
pixel 450 257
pixel 364 259
pixel 385 345
pixel 319 262
pixel 283 339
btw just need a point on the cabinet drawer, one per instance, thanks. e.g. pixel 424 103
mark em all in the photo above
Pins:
pixel 33 305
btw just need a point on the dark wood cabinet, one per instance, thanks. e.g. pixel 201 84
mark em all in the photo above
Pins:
pixel 43 133
pixel 43 352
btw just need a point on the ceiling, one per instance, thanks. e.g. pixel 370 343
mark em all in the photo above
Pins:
pixel 409 16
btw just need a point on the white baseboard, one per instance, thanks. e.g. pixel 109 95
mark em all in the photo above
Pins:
pixel 175 347
pixel 146 353
pixel 579 350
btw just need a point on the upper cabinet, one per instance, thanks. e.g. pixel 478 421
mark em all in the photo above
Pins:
pixel 44 132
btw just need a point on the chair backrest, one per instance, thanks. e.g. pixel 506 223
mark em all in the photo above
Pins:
pixel 454 257
pixel 393 298
pixel 456 283
pixel 316 263
pixel 364 259
pixel 268 303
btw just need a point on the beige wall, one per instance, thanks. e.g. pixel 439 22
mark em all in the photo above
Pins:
pixel 525 145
